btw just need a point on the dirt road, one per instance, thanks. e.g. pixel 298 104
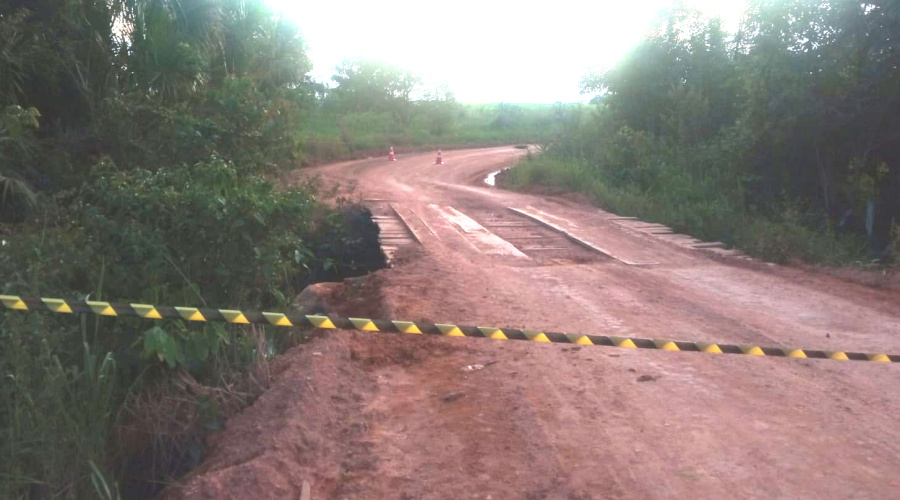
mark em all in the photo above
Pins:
pixel 362 416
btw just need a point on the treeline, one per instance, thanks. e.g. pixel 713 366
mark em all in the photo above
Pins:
pixel 782 138
pixel 369 105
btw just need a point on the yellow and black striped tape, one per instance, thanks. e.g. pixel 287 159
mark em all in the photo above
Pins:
pixel 147 311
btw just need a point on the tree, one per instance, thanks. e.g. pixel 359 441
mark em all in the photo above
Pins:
pixel 262 46
pixel 678 82
pixel 364 85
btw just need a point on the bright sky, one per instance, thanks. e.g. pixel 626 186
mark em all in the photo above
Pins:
pixel 487 50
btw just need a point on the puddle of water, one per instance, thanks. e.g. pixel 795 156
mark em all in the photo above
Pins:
pixel 491 179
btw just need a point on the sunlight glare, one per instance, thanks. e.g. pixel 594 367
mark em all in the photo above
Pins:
pixel 499 51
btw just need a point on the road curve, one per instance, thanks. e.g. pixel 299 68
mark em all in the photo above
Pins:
pixel 381 416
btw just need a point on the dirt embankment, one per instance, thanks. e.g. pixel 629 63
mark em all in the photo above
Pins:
pixel 309 426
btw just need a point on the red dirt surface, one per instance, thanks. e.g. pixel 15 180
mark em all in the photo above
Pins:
pixel 361 415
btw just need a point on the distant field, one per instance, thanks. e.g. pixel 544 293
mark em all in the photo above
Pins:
pixel 328 135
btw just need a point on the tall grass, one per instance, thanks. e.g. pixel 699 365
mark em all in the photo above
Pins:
pixel 59 414
pixel 85 425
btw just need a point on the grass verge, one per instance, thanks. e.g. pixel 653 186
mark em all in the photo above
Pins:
pixel 708 217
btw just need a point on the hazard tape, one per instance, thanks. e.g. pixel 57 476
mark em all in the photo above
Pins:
pixel 233 316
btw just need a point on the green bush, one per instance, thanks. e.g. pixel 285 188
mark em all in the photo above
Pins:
pixel 202 234
pixel 177 234
pixel 236 121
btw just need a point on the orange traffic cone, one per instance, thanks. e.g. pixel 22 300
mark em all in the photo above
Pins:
pixel 391 155
pixel 439 161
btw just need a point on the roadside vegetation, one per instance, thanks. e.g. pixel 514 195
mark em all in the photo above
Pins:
pixel 782 139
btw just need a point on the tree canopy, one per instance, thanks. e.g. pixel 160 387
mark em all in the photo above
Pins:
pixel 804 99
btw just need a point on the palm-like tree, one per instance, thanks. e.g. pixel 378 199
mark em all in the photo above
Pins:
pixel 164 60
